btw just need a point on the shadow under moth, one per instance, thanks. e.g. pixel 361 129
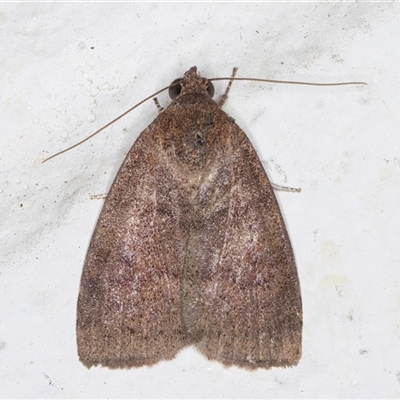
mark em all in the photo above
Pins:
pixel 190 249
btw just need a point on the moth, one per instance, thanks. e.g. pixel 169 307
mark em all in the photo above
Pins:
pixel 190 249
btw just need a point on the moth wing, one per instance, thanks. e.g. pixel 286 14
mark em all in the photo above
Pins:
pixel 128 306
pixel 252 312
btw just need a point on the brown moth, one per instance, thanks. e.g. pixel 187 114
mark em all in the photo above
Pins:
pixel 190 249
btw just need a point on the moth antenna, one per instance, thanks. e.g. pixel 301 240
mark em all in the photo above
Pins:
pixel 222 101
pixel 107 125
pixel 288 82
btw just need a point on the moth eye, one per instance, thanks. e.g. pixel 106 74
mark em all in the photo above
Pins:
pixel 175 91
pixel 210 89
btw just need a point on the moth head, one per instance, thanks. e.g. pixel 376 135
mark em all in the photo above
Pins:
pixel 191 82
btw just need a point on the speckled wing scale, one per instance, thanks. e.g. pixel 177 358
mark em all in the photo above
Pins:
pixel 190 249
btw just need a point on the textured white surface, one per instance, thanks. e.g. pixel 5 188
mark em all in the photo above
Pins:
pixel 67 69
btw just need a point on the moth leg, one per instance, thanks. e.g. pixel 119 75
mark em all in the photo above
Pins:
pixel 228 88
pixel 285 188
pixel 98 196
pixel 160 109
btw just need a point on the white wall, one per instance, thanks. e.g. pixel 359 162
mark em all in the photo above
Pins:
pixel 66 69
